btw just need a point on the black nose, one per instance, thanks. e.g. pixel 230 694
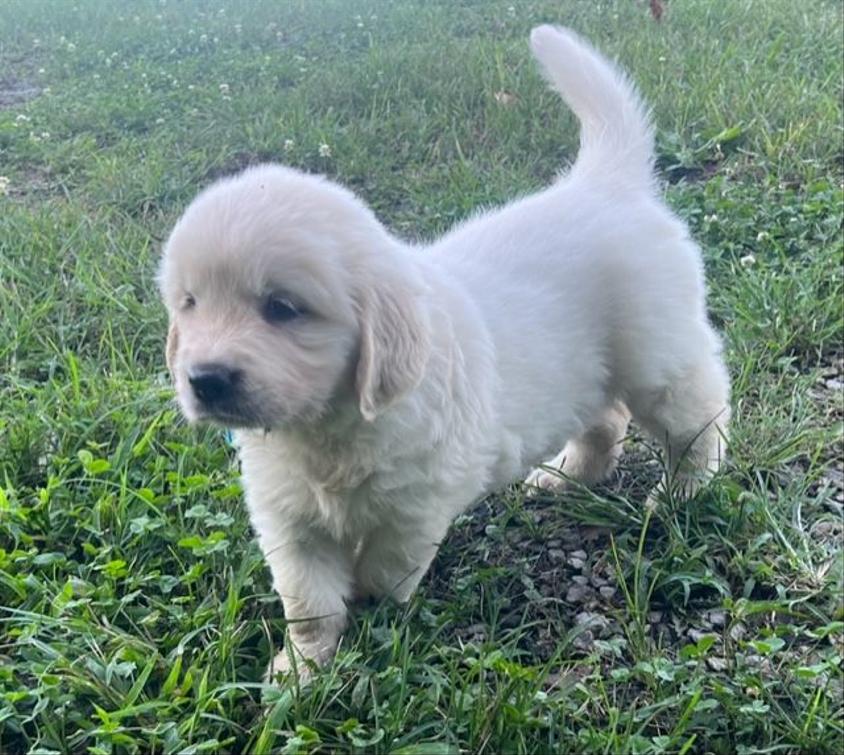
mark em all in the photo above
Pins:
pixel 213 383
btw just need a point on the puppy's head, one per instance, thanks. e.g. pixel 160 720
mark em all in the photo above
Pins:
pixel 286 297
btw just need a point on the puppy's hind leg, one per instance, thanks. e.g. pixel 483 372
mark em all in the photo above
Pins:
pixel 589 458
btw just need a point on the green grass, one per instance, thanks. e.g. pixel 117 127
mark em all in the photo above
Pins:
pixel 136 614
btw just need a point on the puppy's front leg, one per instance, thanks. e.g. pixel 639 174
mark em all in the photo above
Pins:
pixel 313 576
pixel 395 557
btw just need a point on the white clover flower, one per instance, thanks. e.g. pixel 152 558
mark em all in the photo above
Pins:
pixel 42 71
pixel 747 261
pixel 45 135
pixel 159 121
pixel 662 58
pixel 224 88
pixel 324 150
pixel 203 38
pixel 21 118
pixel 4 185
pixel 713 218
pixel 71 47
pixel 763 236
pixel 288 145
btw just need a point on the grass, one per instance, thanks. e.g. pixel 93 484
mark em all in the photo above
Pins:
pixel 136 614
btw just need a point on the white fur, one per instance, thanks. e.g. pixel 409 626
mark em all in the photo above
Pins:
pixel 421 379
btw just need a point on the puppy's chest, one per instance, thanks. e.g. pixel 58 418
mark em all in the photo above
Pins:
pixel 354 499
pixel 351 490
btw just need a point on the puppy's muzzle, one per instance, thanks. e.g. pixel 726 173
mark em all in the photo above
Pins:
pixel 214 384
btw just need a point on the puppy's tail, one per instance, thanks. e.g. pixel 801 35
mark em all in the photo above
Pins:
pixel 616 136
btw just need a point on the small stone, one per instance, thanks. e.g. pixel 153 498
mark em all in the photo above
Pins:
pixel 584 641
pixel 476 632
pixel 582 555
pixel 737 631
pixel 547 590
pixel 835 476
pixel 591 619
pixel 576 594
pixel 607 592
pixel 662 635
pixel 576 563
pixel 697 635
pixel 717 664
pixel 579 579
pixel 506 99
pixel 717 618
pixel 555 554
pixel 654 617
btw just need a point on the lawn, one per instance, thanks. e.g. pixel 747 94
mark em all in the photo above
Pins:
pixel 136 613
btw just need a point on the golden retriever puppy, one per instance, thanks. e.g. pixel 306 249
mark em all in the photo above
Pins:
pixel 378 389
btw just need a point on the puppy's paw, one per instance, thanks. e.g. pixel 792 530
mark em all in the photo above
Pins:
pixel 301 661
pixel 282 667
pixel 545 478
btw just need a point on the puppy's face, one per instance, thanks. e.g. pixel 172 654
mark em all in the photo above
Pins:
pixel 273 308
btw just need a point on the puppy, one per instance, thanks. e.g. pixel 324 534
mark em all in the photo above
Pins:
pixel 378 389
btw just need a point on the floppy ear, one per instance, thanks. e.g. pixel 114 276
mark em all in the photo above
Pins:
pixel 172 346
pixel 394 348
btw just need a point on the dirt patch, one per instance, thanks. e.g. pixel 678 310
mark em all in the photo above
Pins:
pixel 15 88
pixel 690 174
pixel 828 391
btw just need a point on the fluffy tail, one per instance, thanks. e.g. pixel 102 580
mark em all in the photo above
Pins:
pixel 616 137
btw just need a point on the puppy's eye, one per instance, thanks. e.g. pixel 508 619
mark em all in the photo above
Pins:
pixel 278 309
pixel 188 301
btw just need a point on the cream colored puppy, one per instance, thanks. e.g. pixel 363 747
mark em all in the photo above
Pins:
pixel 378 389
